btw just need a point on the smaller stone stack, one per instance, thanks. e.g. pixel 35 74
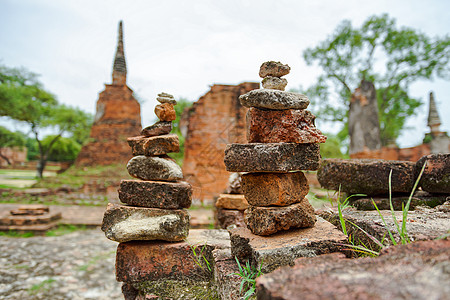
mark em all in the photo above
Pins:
pixel 283 141
pixel 231 206
pixel 155 203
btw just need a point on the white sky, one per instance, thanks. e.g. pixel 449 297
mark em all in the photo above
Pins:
pixel 183 47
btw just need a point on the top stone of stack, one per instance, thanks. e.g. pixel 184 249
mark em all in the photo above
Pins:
pixel 166 98
pixel 273 96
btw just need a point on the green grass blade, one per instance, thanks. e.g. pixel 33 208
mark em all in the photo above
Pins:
pixel 394 242
pixel 371 237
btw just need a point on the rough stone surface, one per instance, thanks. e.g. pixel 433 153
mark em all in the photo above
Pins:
pixel 166 98
pixel 153 146
pixel 445 207
pixel 215 120
pixel 269 220
pixel 282 126
pixel 274 83
pixel 414 271
pixel 274 157
pixel 165 112
pixel 154 168
pixel 283 248
pixel 139 261
pixel 234 184
pixel 156 194
pixel 419 198
pixel 126 223
pixel 76 265
pixel 274 99
pixel 273 68
pixel 421 224
pixel 436 175
pixel 230 201
pixel 159 128
pixel 227 282
pixel 279 189
pixel 366 176
pixel 230 217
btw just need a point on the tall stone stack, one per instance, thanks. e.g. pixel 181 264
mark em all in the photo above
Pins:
pixel 155 203
pixel 283 141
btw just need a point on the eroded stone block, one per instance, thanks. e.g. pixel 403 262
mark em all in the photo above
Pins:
pixel 153 146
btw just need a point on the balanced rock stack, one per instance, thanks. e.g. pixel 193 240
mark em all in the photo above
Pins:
pixel 283 141
pixel 155 203
pixel 231 206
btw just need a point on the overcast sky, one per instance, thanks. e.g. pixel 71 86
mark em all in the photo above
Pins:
pixel 183 47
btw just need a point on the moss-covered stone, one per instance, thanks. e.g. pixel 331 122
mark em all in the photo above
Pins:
pixel 175 289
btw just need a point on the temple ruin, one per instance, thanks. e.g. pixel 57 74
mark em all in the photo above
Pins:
pixel 117 117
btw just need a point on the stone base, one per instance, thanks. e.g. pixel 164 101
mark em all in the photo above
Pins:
pixel 414 271
pixel 38 229
pixel 282 248
pixel 140 261
pixel 29 220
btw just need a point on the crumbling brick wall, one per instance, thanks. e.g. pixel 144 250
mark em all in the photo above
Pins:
pixel 215 120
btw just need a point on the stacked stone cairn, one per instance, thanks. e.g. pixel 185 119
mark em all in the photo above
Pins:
pixel 155 203
pixel 283 141
pixel 231 205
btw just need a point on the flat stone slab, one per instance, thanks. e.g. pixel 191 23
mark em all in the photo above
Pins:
pixel 36 229
pixel 275 83
pixel 154 168
pixel 283 248
pixel 227 217
pixel 232 201
pixel 273 157
pixel 436 175
pixel 127 223
pixel 30 209
pixel 28 220
pixel 414 271
pixel 155 145
pixel 139 261
pixel 421 224
pixel 274 99
pixel 159 128
pixel 419 198
pixel 156 194
pixel 366 176
pixel 269 220
pixel 274 189
pixel 282 126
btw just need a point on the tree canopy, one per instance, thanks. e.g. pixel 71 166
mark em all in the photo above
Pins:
pixel 25 100
pixel 9 139
pixel 378 51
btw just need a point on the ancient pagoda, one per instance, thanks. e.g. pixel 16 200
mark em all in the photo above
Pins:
pixel 118 116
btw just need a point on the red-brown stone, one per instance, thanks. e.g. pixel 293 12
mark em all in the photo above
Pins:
pixel 230 201
pixel 165 112
pixel 282 126
pixel 155 145
pixel 227 217
pixel 279 189
pixel 436 174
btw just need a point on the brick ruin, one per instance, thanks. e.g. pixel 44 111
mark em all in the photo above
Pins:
pixel 118 116
pixel 214 121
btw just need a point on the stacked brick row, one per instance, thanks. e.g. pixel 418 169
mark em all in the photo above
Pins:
pixel 155 204
pixel 283 141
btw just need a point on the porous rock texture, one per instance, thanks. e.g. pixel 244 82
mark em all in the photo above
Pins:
pixel 273 157
pixel 282 248
pixel 227 217
pixel 139 261
pixel 274 189
pixel 230 201
pixel 274 99
pixel 419 198
pixel 153 146
pixel 273 68
pixel 274 83
pixel 268 220
pixel 165 112
pixel 414 271
pixel 287 126
pixel 225 275
pixel 159 128
pixel 366 176
pixel 126 223
pixel 154 168
pixel 436 175
pixel 156 194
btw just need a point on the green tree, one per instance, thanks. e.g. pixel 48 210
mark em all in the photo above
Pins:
pixel 182 104
pixel 9 139
pixel 24 100
pixel 64 149
pixel 390 57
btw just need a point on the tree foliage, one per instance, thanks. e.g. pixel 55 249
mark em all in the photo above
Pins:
pixel 181 105
pixel 25 100
pixel 378 51
pixel 64 149
pixel 9 139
